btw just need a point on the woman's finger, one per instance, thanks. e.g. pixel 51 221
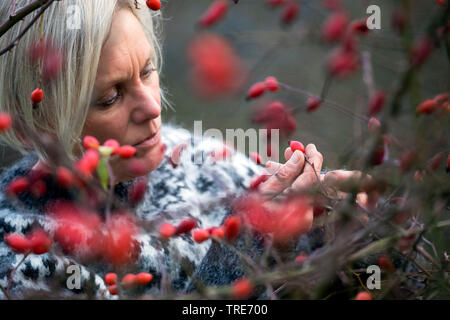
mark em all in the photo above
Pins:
pixel 288 153
pixel 315 158
pixel 310 173
pixel 283 174
pixel 345 180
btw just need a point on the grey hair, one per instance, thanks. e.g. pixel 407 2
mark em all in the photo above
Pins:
pixel 67 99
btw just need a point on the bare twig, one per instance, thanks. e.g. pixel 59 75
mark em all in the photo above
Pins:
pixel 14 271
pixel 42 4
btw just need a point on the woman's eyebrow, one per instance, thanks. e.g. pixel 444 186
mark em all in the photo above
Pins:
pixel 117 80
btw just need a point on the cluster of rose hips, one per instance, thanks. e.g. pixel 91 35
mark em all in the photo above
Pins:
pixel 229 230
pixel 439 103
pixel 81 232
pixel 129 281
pixel 37 242
pixel 91 158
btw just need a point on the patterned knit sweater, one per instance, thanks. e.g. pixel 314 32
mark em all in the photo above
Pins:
pixel 196 189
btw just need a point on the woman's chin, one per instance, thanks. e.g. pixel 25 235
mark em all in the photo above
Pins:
pixel 144 162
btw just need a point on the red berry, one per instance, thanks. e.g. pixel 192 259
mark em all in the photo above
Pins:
pixel 421 51
pixel 342 62
pixel 290 12
pixel 92 158
pixel 186 226
pixel 442 98
pixel 275 3
pixel 113 144
pixel 167 230
pixel 111 278
pixel 385 263
pixel 436 161
pixel 232 225
pixel 218 232
pixel 334 27
pixel 37 96
pixel 301 257
pixel 40 242
pixel 127 151
pixel 363 296
pixel 137 190
pixel 143 278
pixel 297 145
pixel 255 157
pixel 442 3
pixel 119 244
pixel 332 5
pixel 241 289
pixel 373 124
pixel 427 107
pixel 38 189
pixel 90 142
pixel 18 243
pixel 376 102
pixel 418 175
pixel 18 186
pixel 272 84
pixel 256 90
pixel 5 121
pixel 260 179
pixel 200 235
pixel 360 26
pixel 174 159
pixel 64 177
pixel 129 280
pixel 216 12
pixel 112 289
pixel 313 104
pixel 154 5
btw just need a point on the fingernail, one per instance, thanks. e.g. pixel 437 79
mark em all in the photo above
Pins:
pixel 295 158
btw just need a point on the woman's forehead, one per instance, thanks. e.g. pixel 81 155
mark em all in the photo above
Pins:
pixel 125 48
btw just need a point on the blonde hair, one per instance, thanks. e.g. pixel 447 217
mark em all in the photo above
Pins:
pixel 63 111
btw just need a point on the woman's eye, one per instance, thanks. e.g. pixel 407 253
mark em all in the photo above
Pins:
pixel 110 101
pixel 147 73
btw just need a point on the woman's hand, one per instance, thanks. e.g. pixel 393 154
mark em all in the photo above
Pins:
pixel 300 171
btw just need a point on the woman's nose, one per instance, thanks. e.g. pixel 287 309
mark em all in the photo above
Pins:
pixel 146 104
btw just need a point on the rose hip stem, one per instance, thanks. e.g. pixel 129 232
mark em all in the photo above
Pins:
pixel 328 102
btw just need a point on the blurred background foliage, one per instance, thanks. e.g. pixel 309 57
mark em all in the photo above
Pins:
pixel 296 56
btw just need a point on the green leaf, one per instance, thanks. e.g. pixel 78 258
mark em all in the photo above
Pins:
pixel 102 171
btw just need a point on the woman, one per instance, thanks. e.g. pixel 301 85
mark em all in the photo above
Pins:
pixel 110 89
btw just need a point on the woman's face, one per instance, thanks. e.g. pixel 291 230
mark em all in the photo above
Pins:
pixel 126 105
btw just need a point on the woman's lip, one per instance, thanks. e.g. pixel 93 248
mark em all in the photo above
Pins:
pixel 150 141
